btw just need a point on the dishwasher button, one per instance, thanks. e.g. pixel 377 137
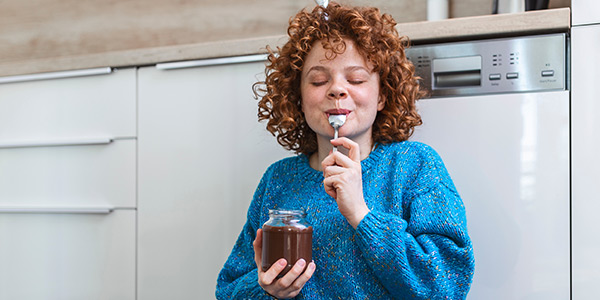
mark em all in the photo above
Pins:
pixel 496 76
pixel 512 75
pixel 547 73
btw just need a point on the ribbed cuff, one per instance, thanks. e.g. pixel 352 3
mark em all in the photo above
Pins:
pixel 250 289
pixel 370 226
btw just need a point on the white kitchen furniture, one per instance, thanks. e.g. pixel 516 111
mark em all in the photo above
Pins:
pixel 499 118
pixel 68 187
pixel 585 143
pixel 585 139
pixel 585 12
pixel 509 159
pixel 68 256
pixel 201 155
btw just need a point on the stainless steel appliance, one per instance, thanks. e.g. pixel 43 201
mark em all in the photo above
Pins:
pixel 498 116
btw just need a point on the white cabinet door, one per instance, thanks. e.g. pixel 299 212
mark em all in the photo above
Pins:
pixel 201 155
pixel 585 135
pixel 585 12
pixel 67 256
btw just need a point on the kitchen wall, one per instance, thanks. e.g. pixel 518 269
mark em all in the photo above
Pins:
pixel 39 29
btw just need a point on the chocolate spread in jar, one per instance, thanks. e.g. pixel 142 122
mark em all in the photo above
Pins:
pixel 289 242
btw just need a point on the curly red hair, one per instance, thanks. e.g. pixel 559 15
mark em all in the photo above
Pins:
pixel 376 39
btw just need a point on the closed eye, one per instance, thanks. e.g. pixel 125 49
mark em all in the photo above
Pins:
pixel 318 83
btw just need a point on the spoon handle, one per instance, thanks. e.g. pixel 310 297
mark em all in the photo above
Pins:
pixel 335 136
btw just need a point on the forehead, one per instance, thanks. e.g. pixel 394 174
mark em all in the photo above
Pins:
pixel 326 57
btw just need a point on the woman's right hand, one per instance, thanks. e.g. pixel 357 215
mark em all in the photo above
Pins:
pixel 287 286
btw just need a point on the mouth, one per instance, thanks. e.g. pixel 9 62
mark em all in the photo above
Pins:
pixel 337 112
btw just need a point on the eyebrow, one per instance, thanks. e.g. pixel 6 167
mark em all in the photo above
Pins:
pixel 350 68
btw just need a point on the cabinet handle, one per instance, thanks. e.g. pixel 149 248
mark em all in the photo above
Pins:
pixel 212 62
pixel 57 210
pixel 57 142
pixel 56 75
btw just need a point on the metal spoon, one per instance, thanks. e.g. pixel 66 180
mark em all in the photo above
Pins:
pixel 336 121
pixel 323 3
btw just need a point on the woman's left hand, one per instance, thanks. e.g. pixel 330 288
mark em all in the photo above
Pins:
pixel 343 180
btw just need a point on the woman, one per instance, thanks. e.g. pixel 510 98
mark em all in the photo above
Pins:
pixel 387 219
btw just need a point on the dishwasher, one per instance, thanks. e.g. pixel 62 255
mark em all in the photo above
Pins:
pixel 498 114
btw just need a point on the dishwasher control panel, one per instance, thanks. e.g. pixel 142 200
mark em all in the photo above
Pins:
pixel 519 64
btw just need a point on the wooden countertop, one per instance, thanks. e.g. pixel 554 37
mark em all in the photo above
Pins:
pixel 490 26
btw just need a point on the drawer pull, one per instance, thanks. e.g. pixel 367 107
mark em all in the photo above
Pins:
pixel 212 62
pixel 57 210
pixel 56 75
pixel 57 142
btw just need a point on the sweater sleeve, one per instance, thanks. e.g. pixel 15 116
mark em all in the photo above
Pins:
pixel 426 253
pixel 239 277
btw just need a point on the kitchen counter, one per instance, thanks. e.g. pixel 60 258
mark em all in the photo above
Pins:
pixel 490 26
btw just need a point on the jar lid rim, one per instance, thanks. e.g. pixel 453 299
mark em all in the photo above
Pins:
pixel 287 211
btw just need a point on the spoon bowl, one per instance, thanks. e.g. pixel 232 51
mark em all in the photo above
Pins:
pixel 336 121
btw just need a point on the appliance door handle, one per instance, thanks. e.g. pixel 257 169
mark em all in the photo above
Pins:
pixel 57 142
pixel 57 210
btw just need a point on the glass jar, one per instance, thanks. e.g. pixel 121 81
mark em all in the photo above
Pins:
pixel 287 235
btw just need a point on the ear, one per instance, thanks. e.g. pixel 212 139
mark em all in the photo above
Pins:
pixel 380 104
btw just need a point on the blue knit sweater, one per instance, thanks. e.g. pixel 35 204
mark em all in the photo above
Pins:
pixel 412 245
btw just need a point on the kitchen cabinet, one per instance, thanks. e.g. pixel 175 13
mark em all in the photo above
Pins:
pixel 201 155
pixel 68 187
pixel 585 12
pixel 67 256
pixel 585 116
pixel 69 109
pixel 69 176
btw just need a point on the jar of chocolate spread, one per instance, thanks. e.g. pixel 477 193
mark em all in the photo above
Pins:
pixel 287 235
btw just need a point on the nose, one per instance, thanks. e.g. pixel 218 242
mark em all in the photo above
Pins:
pixel 337 94
pixel 337 91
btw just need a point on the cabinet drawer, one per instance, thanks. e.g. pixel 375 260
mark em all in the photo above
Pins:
pixel 69 108
pixel 71 177
pixel 67 256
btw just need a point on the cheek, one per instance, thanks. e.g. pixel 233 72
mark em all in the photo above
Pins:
pixel 309 100
pixel 303 97
pixel 302 105
pixel 369 98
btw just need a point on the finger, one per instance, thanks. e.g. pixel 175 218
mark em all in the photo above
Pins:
pixel 353 147
pixel 336 159
pixel 333 170
pixel 270 275
pixel 257 244
pixel 329 184
pixel 293 274
pixel 301 281
pixel 329 160
pixel 339 159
